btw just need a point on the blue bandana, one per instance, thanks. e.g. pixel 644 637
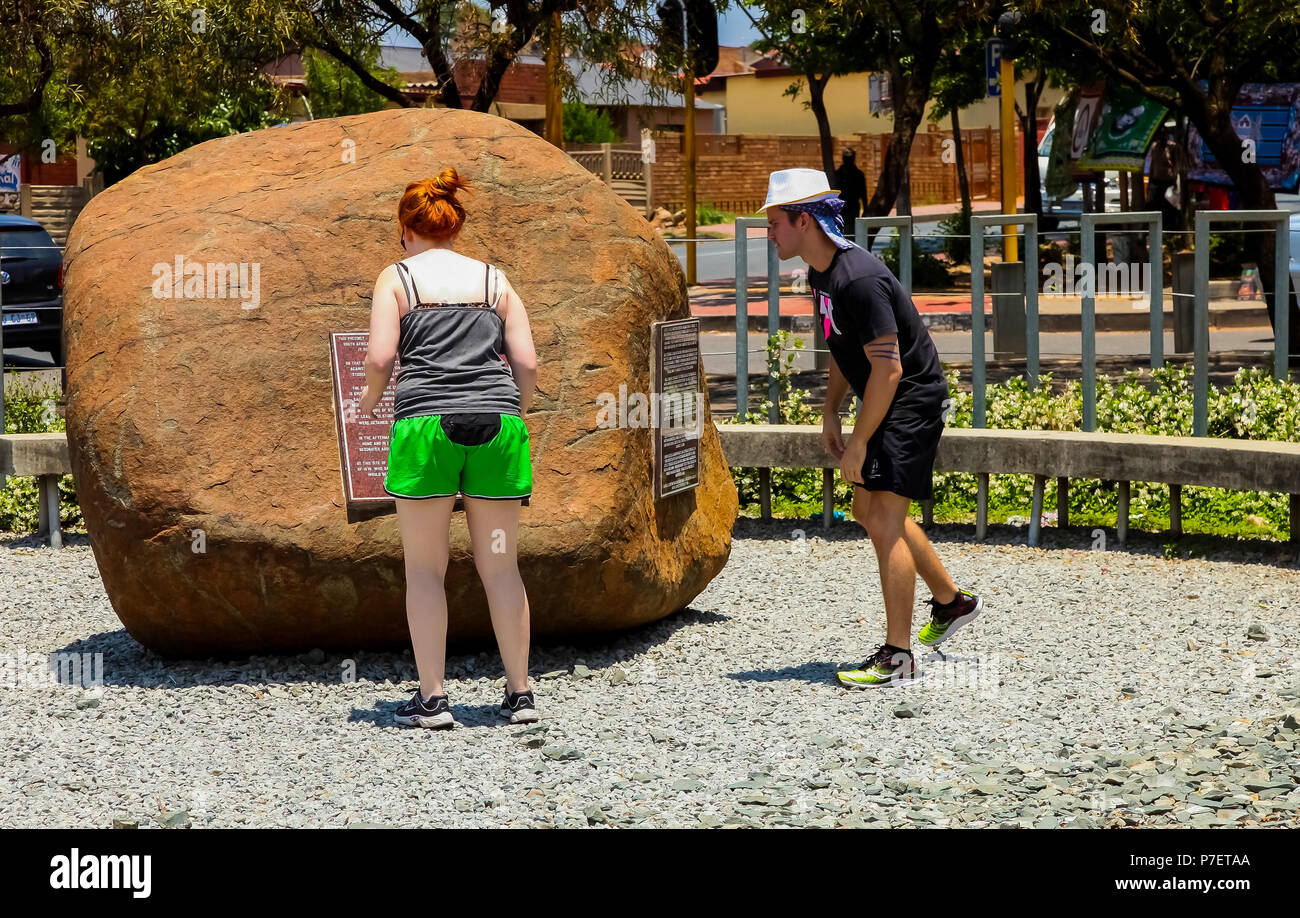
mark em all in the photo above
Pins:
pixel 827 214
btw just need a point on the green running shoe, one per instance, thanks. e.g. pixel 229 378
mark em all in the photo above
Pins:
pixel 886 667
pixel 945 620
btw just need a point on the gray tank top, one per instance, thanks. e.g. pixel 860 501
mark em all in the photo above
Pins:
pixel 451 357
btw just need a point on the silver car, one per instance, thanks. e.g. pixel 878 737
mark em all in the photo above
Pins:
pixel 1057 209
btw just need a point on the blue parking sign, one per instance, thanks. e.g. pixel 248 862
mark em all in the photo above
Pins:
pixel 993 66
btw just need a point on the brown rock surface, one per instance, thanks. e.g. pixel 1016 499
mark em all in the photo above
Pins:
pixel 197 414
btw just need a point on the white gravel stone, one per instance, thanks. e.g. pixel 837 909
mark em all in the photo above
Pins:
pixel 726 713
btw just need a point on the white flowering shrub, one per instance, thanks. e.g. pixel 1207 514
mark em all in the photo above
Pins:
pixel 1159 403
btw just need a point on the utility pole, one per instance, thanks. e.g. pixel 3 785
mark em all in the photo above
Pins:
pixel 689 153
pixel 1008 25
pixel 1007 111
pixel 554 100
pixel 697 46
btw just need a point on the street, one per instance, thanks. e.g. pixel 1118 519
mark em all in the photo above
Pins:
pixel 719 348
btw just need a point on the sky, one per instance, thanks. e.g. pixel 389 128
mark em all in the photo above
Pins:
pixel 734 28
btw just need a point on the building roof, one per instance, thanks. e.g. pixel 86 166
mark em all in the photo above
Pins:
pixel 633 92
pixel 404 59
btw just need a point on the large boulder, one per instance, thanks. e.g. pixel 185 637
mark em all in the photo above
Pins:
pixel 200 414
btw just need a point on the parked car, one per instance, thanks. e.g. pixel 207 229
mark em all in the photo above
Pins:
pixel 1295 243
pixel 1294 267
pixel 31 287
pixel 1057 209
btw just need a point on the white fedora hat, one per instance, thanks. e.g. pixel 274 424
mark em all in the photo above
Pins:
pixel 797 186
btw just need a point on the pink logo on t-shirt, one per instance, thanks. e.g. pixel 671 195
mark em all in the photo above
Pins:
pixel 824 308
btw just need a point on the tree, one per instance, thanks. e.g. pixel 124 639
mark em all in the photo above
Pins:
pixel 959 81
pixel 1192 56
pixel 815 43
pixel 141 79
pixel 34 103
pixel 334 90
pixel 907 40
pixel 495 33
pixel 583 124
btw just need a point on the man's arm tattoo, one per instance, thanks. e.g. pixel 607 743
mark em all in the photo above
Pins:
pixel 883 352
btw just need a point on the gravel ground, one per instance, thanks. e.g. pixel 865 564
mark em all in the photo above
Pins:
pixel 1099 689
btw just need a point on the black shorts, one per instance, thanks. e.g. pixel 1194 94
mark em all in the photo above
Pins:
pixel 900 454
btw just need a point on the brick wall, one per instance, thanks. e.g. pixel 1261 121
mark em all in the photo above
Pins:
pixel 520 83
pixel 63 171
pixel 732 169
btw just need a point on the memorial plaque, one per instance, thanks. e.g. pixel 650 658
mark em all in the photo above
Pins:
pixel 677 406
pixel 363 440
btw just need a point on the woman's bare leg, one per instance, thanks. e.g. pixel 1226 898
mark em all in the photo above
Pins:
pixel 494 532
pixel 424 525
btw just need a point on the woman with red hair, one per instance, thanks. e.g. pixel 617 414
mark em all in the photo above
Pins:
pixel 457 428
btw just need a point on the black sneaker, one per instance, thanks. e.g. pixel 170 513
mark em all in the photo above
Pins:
pixel 886 667
pixel 945 620
pixel 518 707
pixel 434 713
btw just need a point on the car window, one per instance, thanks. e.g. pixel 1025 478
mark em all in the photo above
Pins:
pixel 29 239
pixel 1045 148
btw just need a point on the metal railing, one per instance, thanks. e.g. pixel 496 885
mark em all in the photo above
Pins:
pixel 741 242
pixel 1088 303
pixel 1201 328
pixel 977 225
pixel 1089 224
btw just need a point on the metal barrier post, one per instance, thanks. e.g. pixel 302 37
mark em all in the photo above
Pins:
pixel 977 224
pixel 862 224
pixel 1088 298
pixel 773 328
pixel 2 351
pixel 860 232
pixel 742 226
pixel 977 324
pixel 1281 300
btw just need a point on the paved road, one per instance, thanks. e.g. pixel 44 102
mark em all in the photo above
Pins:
pixel 719 348
pixel 715 259
pixel 24 358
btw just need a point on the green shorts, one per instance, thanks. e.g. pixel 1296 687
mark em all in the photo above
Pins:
pixel 477 455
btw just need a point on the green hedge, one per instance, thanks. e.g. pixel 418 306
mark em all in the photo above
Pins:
pixel 34 412
pixel 1254 406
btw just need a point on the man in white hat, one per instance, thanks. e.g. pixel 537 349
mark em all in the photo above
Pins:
pixel 883 352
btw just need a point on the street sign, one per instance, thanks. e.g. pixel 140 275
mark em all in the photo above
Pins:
pixel 993 67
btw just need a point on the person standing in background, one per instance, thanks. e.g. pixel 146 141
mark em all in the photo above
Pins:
pixel 853 189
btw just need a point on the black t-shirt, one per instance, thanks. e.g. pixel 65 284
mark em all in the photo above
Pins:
pixel 857 299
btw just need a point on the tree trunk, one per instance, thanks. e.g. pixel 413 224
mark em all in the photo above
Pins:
pixel 963 182
pixel 497 66
pixel 325 42
pixel 817 100
pixel 1029 127
pixel 909 106
pixel 1185 203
